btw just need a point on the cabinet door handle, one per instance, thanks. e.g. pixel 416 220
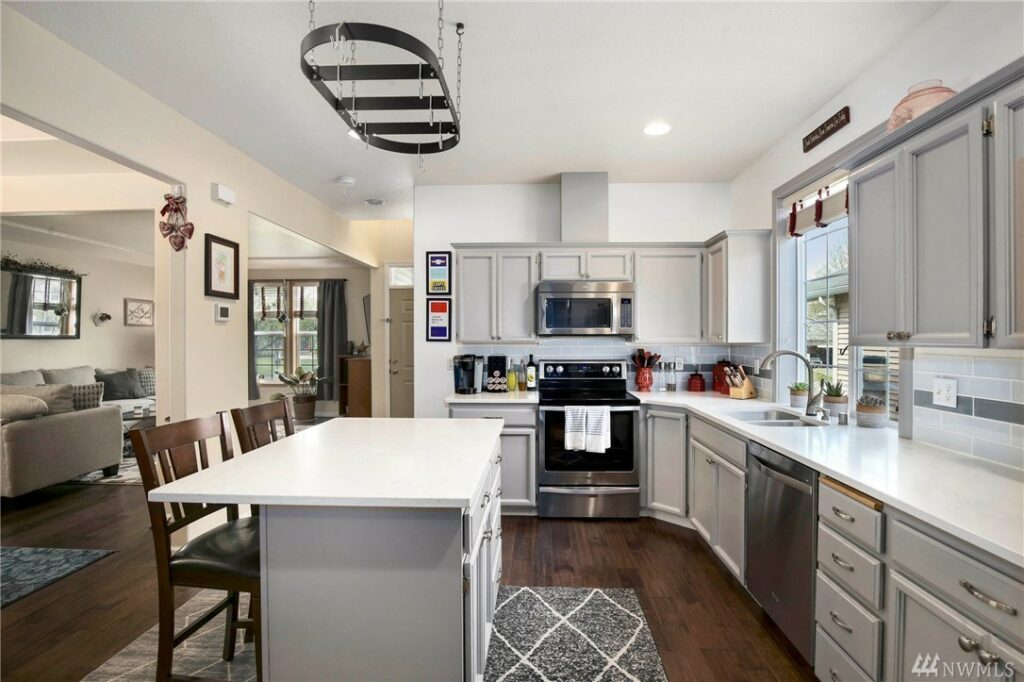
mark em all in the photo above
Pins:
pixel 891 336
pixel 833 675
pixel 845 565
pixel 498 494
pixel 487 498
pixel 839 621
pixel 488 533
pixel 708 460
pixel 966 643
pixel 843 515
pixel 988 658
pixel 987 600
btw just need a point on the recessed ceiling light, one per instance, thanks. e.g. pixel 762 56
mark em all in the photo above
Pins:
pixel 374 202
pixel 657 128
pixel 345 180
pixel 353 134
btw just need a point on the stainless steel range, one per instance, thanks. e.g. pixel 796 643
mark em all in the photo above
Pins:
pixel 575 483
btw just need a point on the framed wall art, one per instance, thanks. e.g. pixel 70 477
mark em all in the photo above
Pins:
pixel 439 319
pixel 439 273
pixel 221 266
pixel 138 312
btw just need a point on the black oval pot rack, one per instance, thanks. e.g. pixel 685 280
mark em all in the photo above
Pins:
pixel 378 134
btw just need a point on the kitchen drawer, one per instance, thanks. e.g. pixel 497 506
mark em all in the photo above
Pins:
pixel 854 628
pixel 858 571
pixel 720 442
pixel 831 664
pixel 981 590
pixel 524 415
pixel 852 517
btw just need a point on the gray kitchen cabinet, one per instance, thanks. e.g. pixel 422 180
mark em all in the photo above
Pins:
pixel 739 287
pixel 876 250
pixel 610 265
pixel 669 288
pixel 517 279
pixel 597 264
pixel 945 234
pixel 1006 278
pixel 563 264
pixel 702 500
pixel 518 468
pixel 477 301
pixel 496 296
pixel 730 498
pixel 666 462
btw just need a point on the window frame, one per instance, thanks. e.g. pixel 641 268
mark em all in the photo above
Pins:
pixel 291 332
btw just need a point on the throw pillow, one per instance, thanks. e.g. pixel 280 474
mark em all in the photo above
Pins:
pixel 30 377
pixel 58 397
pixel 87 396
pixel 121 385
pixel 147 377
pixel 17 407
pixel 76 376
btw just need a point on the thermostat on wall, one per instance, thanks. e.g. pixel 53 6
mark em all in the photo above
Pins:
pixel 221 312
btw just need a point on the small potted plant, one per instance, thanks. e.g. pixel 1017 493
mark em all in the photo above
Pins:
pixel 835 395
pixel 798 394
pixel 871 411
pixel 303 385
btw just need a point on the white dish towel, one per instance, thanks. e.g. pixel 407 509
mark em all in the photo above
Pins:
pixel 575 428
pixel 599 431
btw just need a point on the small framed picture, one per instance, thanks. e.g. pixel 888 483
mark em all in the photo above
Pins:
pixel 138 312
pixel 221 267
pixel 439 273
pixel 439 319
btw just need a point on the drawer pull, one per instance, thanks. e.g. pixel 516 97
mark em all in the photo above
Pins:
pixel 966 643
pixel 845 565
pixel 833 675
pixel 488 533
pixel 708 460
pixel 498 460
pixel 988 658
pixel 491 417
pixel 839 621
pixel 843 515
pixel 989 601
pixel 487 498
pixel 499 574
pixel 499 532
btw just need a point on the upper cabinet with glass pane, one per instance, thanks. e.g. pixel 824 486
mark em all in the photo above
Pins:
pixel 38 305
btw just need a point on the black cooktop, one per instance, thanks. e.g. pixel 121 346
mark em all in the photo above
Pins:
pixel 584 382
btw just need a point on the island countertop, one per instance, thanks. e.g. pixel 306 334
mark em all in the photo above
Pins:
pixel 439 463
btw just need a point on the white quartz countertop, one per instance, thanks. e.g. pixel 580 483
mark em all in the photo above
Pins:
pixel 973 499
pixel 515 398
pixel 439 463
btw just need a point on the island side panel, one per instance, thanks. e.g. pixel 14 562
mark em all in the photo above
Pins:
pixel 362 593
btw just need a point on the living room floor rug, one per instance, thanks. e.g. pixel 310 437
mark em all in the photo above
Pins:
pixel 540 634
pixel 23 570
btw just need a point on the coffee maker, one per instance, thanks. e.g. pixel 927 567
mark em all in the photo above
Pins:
pixel 469 373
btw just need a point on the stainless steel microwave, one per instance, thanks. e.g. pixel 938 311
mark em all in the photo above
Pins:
pixel 585 308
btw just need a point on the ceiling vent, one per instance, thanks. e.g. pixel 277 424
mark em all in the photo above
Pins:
pixel 584 207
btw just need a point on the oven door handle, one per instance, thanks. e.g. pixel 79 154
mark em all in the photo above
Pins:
pixel 590 490
pixel 611 408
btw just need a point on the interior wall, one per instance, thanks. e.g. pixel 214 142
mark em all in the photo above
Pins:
pixel 961 44
pixel 111 113
pixel 450 214
pixel 104 287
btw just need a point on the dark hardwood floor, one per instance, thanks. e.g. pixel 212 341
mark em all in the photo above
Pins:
pixel 706 627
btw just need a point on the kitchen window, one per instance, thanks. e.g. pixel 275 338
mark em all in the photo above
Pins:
pixel 285 327
pixel 823 263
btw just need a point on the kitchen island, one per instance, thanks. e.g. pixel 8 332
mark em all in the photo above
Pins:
pixel 380 545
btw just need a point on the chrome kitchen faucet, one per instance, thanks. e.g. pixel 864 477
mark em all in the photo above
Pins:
pixel 813 399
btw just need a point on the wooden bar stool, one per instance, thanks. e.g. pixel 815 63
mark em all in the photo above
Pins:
pixel 224 558
pixel 256 426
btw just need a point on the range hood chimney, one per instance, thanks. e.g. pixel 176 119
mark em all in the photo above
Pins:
pixel 584 207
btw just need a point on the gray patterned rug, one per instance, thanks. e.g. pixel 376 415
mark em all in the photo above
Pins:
pixel 23 570
pixel 540 634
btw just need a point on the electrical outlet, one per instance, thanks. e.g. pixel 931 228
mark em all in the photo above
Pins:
pixel 680 363
pixel 944 392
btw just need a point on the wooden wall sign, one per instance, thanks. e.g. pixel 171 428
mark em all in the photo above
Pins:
pixel 827 129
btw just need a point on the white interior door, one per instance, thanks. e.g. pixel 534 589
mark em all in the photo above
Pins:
pixel 400 364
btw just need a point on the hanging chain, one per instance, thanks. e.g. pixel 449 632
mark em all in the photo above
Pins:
pixel 440 33
pixel 312 25
pixel 352 60
pixel 459 30
pixel 337 42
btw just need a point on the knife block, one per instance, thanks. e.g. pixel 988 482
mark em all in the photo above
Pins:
pixel 744 392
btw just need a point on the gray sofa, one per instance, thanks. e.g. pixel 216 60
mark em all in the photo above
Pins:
pixel 35 453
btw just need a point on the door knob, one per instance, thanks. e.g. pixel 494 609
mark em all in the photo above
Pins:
pixel 891 336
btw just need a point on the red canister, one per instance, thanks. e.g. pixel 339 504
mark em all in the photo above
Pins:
pixel 696 383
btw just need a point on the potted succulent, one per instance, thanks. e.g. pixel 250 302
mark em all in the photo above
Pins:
pixel 835 395
pixel 798 394
pixel 871 411
pixel 303 385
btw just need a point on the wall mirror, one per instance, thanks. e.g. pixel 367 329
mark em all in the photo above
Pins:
pixel 39 305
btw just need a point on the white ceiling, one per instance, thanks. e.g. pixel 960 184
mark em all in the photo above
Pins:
pixel 548 87
pixel 274 247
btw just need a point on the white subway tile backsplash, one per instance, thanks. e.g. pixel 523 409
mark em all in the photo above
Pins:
pixel 985 429
pixel 926 417
pixel 943 439
pixel 1002 368
pixel 945 364
pixel 1012 455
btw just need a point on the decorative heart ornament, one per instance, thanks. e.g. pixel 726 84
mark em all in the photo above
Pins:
pixel 176 228
pixel 176 241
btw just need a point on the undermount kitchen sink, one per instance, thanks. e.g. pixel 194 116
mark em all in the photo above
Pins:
pixel 774 418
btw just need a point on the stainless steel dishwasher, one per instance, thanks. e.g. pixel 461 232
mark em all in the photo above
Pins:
pixel 781 511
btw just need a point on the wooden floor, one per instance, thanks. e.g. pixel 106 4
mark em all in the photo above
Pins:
pixel 705 627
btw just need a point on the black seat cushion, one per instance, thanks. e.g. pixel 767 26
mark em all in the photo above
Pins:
pixel 231 550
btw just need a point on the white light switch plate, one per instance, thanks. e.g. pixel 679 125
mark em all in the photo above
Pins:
pixel 944 392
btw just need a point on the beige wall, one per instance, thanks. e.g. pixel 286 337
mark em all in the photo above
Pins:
pixel 72 93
